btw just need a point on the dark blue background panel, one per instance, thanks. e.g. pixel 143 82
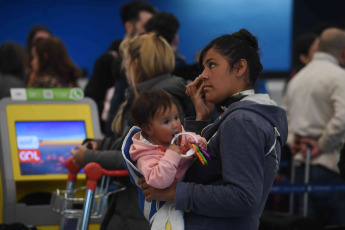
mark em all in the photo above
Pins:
pixel 87 27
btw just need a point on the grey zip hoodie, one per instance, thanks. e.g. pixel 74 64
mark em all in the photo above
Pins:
pixel 231 191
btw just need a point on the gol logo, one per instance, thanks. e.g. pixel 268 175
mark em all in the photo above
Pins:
pixel 29 156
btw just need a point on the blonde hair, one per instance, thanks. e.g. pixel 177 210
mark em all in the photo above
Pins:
pixel 150 56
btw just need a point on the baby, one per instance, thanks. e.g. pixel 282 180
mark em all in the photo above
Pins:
pixel 159 161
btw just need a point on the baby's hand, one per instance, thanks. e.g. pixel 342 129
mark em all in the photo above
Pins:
pixel 202 144
pixel 184 148
pixel 174 148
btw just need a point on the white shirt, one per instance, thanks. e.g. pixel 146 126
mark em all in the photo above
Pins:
pixel 315 106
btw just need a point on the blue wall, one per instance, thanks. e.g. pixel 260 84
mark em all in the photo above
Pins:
pixel 87 27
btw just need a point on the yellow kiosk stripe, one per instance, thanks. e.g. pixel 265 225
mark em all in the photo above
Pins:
pixel 43 112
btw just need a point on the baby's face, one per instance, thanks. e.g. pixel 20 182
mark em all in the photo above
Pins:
pixel 164 126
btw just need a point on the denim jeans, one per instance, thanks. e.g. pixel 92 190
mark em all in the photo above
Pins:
pixel 329 208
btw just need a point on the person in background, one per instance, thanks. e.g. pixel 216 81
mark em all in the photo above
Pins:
pixel 167 25
pixel 134 16
pixel 315 108
pixel 244 142
pixel 36 31
pixel 191 71
pixel 100 86
pixel 304 48
pixel 148 62
pixel 12 67
pixel 112 83
pixel 51 65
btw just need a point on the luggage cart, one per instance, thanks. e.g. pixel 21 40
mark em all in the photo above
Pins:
pixel 77 212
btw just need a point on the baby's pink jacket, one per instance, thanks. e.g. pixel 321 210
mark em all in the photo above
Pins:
pixel 159 165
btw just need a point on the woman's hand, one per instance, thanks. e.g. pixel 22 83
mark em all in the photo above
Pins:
pixel 78 153
pixel 203 108
pixel 94 145
pixel 151 193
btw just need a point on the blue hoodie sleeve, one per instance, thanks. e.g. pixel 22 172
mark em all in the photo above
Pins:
pixel 241 149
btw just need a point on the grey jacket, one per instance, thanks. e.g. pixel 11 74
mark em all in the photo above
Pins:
pixel 230 193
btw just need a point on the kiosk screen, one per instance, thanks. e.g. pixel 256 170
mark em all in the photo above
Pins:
pixel 43 146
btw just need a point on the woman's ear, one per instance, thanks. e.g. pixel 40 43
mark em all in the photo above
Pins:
pixel 240 68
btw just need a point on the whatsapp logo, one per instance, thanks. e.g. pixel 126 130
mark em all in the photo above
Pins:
pixel 76 94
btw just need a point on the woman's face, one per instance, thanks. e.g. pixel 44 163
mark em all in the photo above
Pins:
pixel 34 61
pixel 219 80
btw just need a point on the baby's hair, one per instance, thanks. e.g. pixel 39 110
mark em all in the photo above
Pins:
pixel 146 105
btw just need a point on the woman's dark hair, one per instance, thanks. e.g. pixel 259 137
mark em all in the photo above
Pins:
pixel 236 46
pixel 55 61
pixel 31 35
pixel 302 45
pixel 12 59
pixel 146 105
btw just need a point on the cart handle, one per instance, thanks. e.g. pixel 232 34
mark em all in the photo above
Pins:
pixel 94 172
pixel 72 170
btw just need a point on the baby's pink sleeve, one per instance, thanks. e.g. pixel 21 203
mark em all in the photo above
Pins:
pixel 159 172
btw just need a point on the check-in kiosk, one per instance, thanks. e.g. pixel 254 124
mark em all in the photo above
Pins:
pixel 36 137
